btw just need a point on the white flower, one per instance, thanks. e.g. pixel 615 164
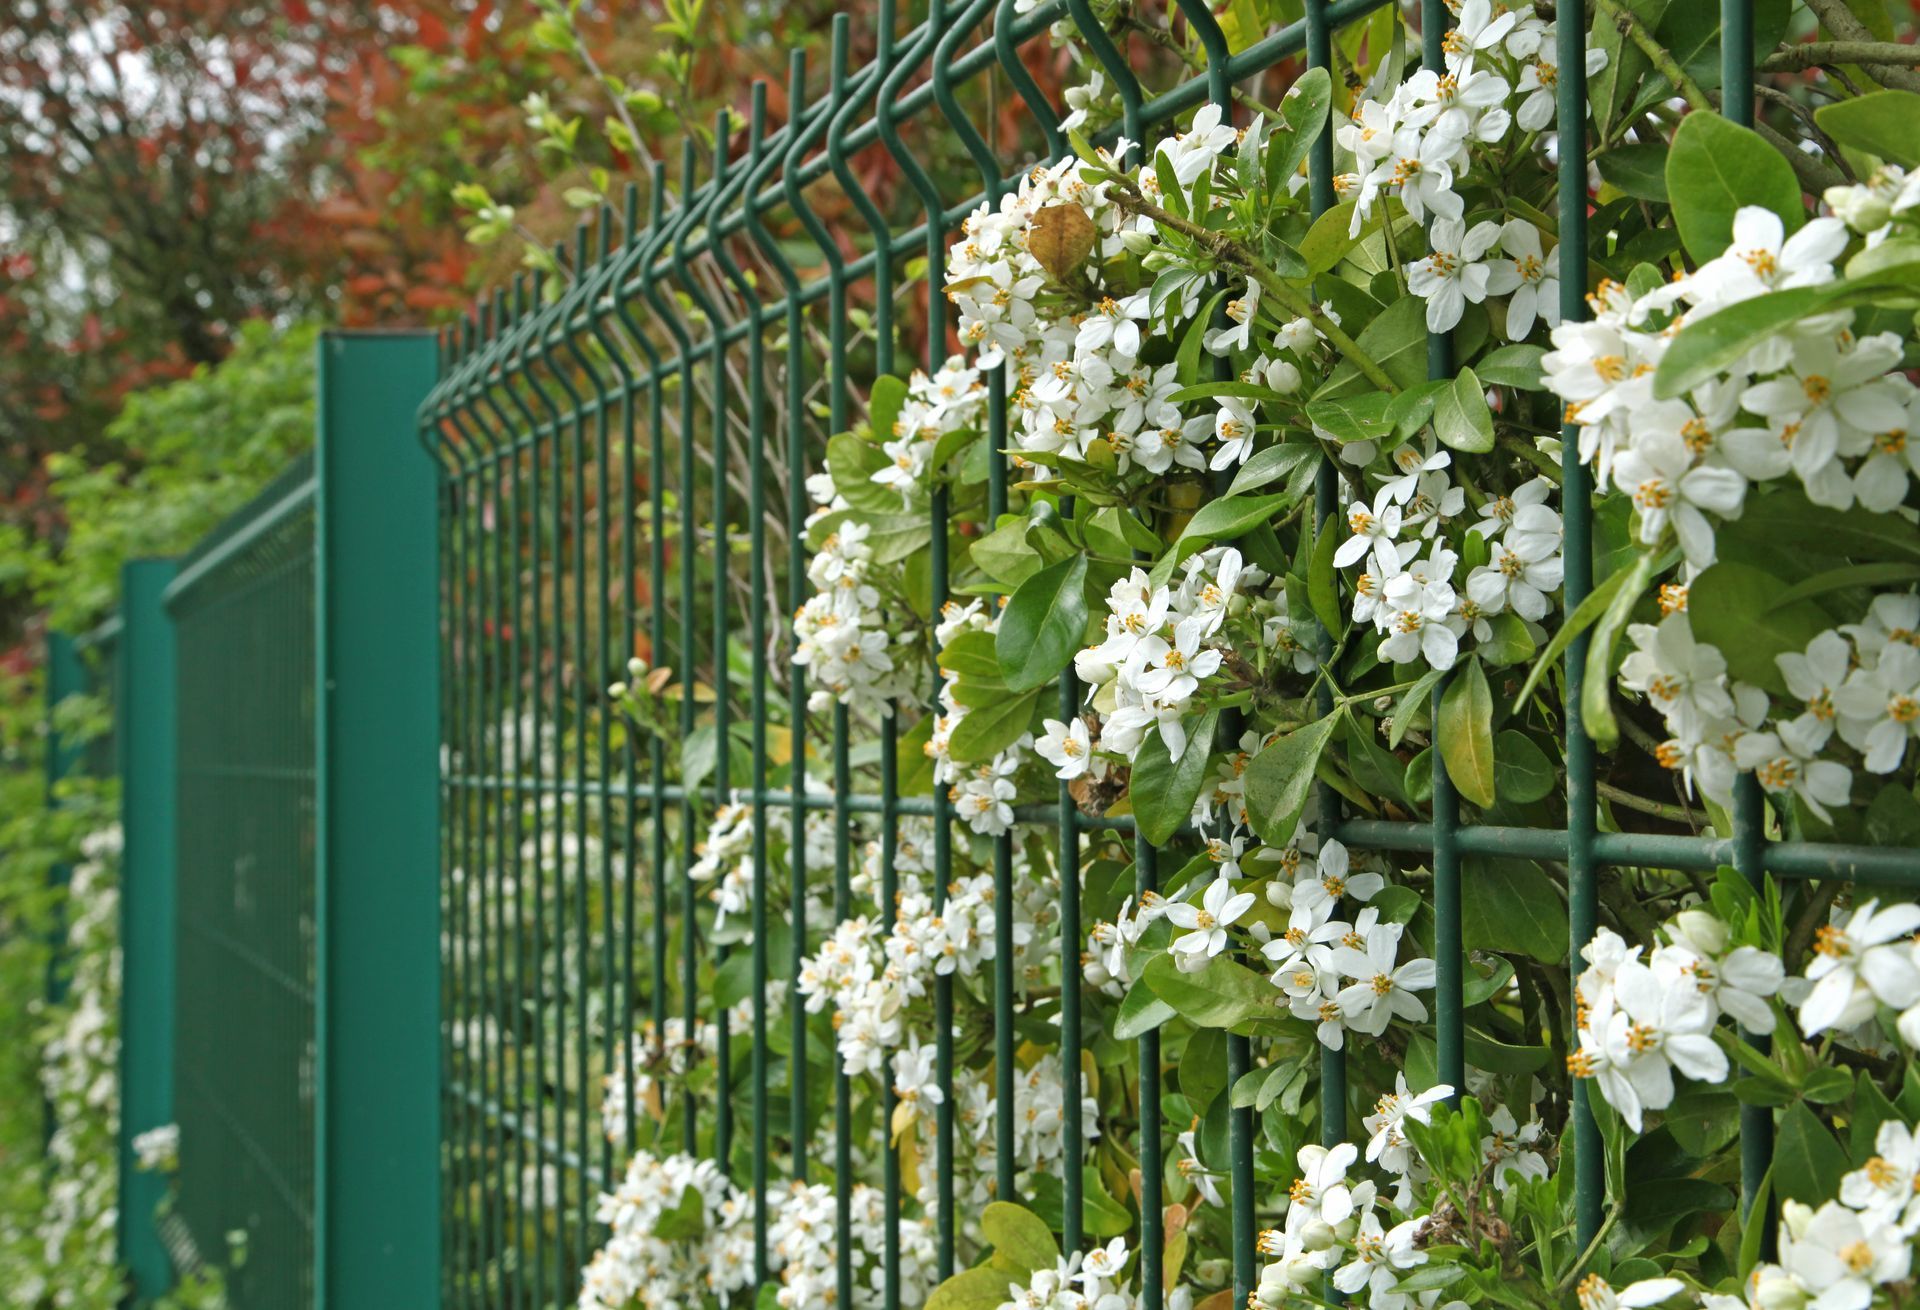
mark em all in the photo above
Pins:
pixel 1784 761
pixel 1321 1192
pixel 1833 401
pixel 1887 1187
pixel 1685 679
pixel 1840 1256
pixel 1452 275
pixel 1529 275
pixel 1193 151
pixel 1233 427
pixel 1416 614
pixel 1880 707
pixel 1372 529
pixel 1658 471
pixel 1381 991
pixel 1378 1255
pixel 1066 746
pixel 1866 958
pixel 1388 1146
pixel 1763 258
pixel 1241 313
pixel 1207 923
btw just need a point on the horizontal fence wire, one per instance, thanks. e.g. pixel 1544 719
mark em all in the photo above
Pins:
pixel 243 613
pixel 592 426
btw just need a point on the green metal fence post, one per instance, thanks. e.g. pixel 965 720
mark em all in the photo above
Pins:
pixel 377 1117
pixel 146 727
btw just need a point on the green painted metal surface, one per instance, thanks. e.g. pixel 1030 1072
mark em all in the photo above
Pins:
pixel 376 1119
pixel 146 727
pixel 243 612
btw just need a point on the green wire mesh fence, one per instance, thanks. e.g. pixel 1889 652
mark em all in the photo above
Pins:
pixel 242 607
pixel 624 465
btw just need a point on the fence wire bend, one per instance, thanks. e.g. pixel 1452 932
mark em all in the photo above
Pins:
pixel 639 361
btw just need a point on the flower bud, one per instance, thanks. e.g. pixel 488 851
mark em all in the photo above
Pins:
pixel 1137 242
pixel 1317 1235
pixel 616 690
pixel 1776 1289
pixel 636 668
pixel 1703 930
pixel 1859 207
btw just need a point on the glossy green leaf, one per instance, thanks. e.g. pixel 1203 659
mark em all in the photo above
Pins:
pixel 970 1289
pixel 1163 790
pixel 1732 607
pixel 1461 418
pixel 1465 734
pixel 1640 170
pixel 1140 1013
pixel 1043 624
pixel 1280 778
pixel 1512 905
pixel 1807 1160
pixel 1596 692
pixel 1715 167
pixel 1020 1235
pixel 992 726
pixel 1516 366
pixel 1522 773
pixel 1225 994
pixel 1883 123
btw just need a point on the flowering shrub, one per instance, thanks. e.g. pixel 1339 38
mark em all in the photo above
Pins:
pixel 1287 578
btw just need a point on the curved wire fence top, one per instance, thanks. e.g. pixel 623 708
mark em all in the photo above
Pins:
pixel 625 441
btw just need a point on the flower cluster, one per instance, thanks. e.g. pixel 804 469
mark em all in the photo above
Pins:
pixel 803 1246
pixel 872 982
pixel 158 1149
pixel 840 633
pixel 1639 1020
pixel 1417 143
pixel 1090 1280
pixel 1865 958
pixel 1838 1254
pixel 948 402
pixel 1812 401
pixel 726 860
pixel 679 1232
pixel 1409 597
pixel 75 1229
pixel 1857 686
pixel 1342 976
pixel 1159 651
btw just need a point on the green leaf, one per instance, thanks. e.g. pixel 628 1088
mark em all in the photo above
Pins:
pixel 1280 777
pixel 1222 995
pixel 1229 387
pixel 1639 170
pixel 1326 242
pixel 733 980
pixel 1005 555
pixel 1194 341
pixel 1461 418
pixel 1596 693
pixel 1163 790
pixel 1203 1067
pixel 1223 520
pixel 1715 167
pixel 1465 734
pixel 884 403
pixel 1512 905
pixel 1042 626
pixel 1883 123
pixel 1273 463
pixel 971 655
pixel 1789 531
pixel 1521 771
pixel 1020 1235
pixel 991 727
pixel 1321 593
pixel 1705 347
pixel 1100 1214
pixel 1807 1160
pixel 1516 366
pixel 891 537
pixel 1396 339
pixel 1304 109
pixel 1140 1013
pixel 983 1288
pixel 1353 418
pixel 1510 643
pixel 1852 575
pixel 1412 700
pixel 852 464
pixel 1732 606
pixel 685 1221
